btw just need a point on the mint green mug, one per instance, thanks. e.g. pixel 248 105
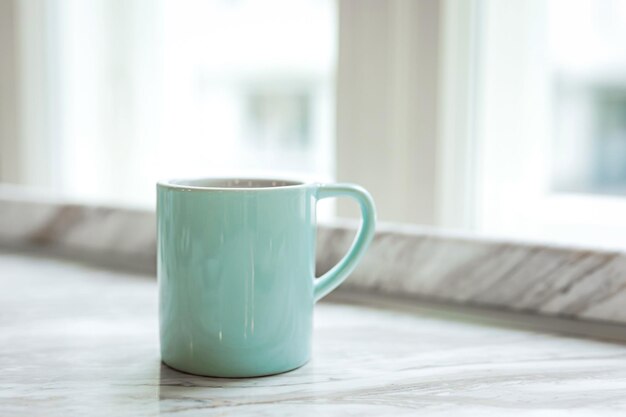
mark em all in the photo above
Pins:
pixel 236 269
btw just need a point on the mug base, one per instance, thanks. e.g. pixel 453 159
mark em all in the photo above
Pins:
pixel 235 375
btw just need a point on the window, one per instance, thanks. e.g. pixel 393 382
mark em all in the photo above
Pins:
pixel 589 90
pixel 496 116
pixel 550 128
pixel 142 90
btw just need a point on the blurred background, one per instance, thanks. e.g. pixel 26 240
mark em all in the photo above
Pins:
pixel 499 117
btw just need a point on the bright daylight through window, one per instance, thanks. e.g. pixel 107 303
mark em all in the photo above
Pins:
pixel 146 90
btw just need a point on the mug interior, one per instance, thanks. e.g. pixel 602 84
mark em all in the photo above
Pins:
pixel 233 183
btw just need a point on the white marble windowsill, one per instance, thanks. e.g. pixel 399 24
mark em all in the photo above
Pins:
pixel 552 281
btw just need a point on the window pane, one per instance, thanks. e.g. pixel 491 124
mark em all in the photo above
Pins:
pixel 175 88
pixel 589 95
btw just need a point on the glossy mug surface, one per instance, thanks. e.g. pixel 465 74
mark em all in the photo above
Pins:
pixel 236 270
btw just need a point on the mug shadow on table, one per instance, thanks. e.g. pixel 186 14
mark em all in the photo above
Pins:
pixel 171 380
pixel 178 390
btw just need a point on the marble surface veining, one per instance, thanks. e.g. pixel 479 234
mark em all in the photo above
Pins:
pixel 91 232
pixel 550 280
pixel 80 340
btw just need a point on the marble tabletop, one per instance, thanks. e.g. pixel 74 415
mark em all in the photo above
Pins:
pixel 82 340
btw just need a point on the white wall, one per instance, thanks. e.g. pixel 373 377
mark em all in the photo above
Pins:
pixel 9 169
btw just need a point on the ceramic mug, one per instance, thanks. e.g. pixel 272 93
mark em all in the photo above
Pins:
pixel 236 270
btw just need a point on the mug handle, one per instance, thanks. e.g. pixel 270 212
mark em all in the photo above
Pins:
pixel 335 276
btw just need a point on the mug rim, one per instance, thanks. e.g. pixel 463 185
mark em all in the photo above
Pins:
pixel 187 184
